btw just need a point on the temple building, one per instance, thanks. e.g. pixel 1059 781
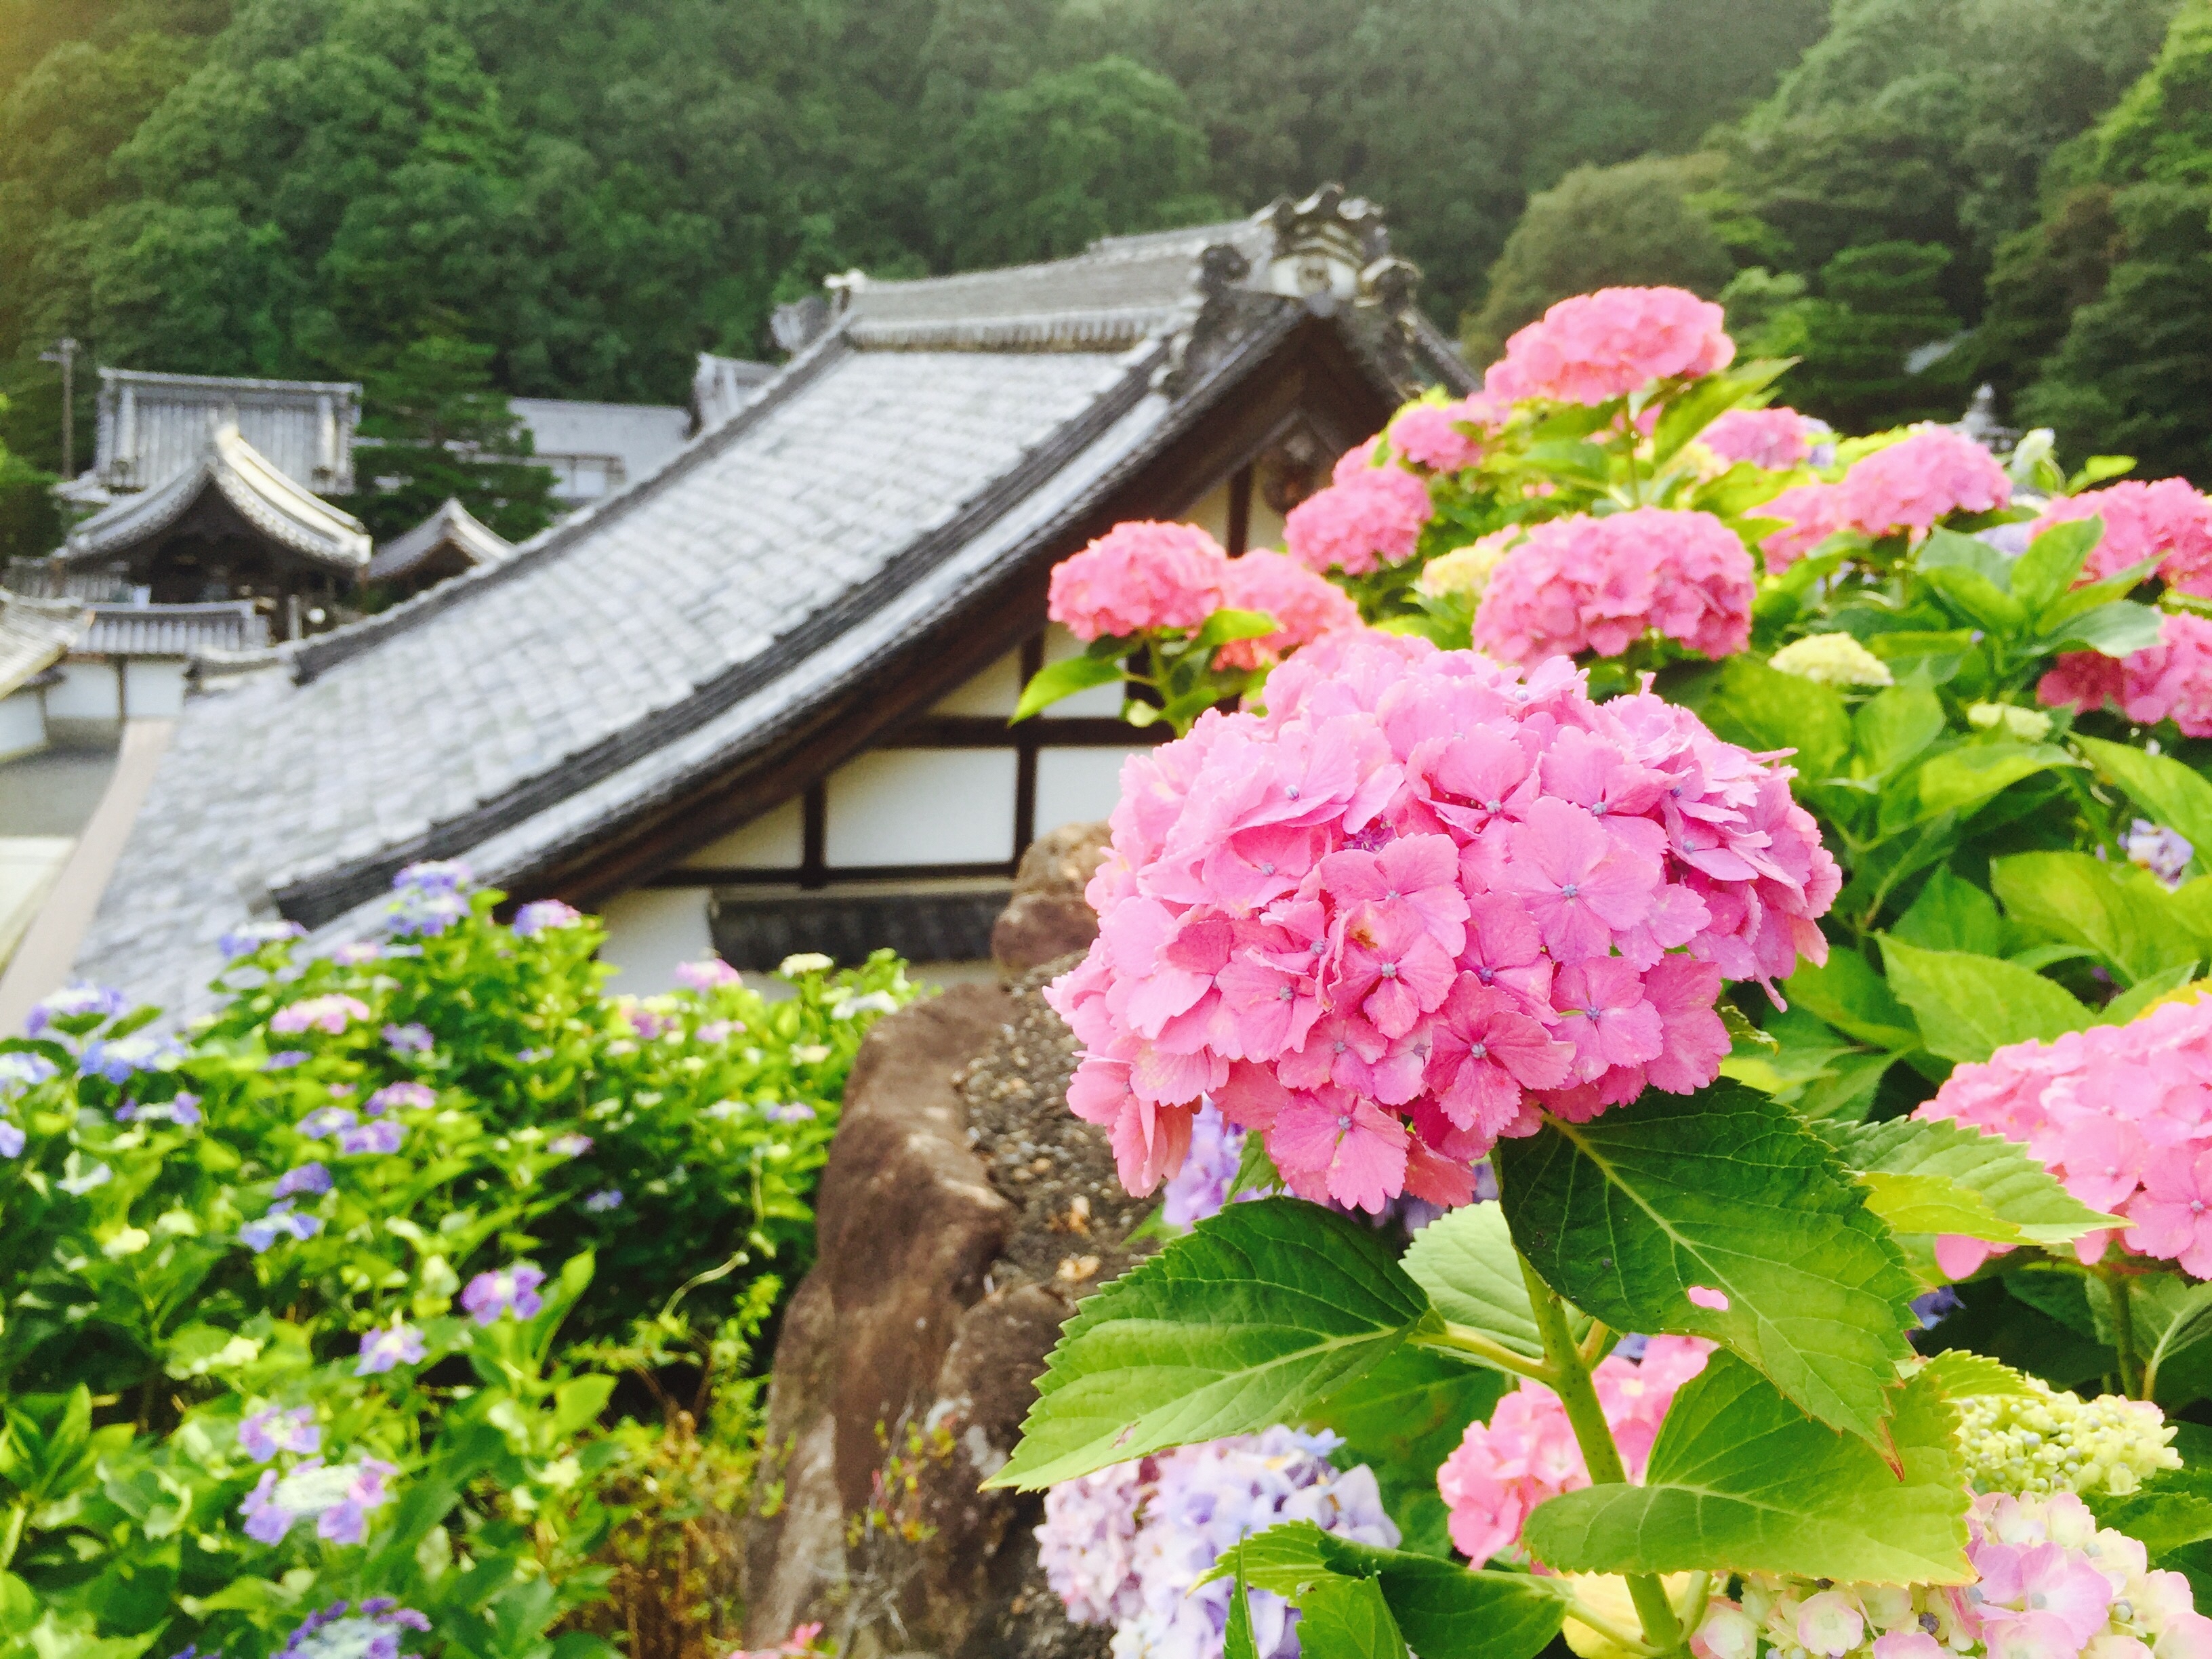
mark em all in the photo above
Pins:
pixel 760 698
pixel 450 542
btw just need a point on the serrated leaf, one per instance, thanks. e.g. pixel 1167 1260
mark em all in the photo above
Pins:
pixel 1968 1006
pixel 2174 794
pixel 2123 914
pixel 2169 1317
pixel 2078 601
pixel 1729 1190
pixel 1063 679
pixel 1347 1618
pixel 1964 1376
pixel 1946 550
pixel 1402 1418
pixel 1847 992
pixel 1892 726
pixel 1739 1480
pixel 1960 780
pixel 1259 1312
pixel 1768 709
pixel 1236 1640
pixel 2118 628
pixel 1465 1262
pixel 1974 595
pixel 1992 1187
pixel 1444 1610
pixel 2052 561
pixel 1952 914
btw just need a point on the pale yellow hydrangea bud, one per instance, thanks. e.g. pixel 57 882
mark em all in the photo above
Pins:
pixel 2045 1441
pixel 1831 659
pixel 2027 725
pixel 1467 569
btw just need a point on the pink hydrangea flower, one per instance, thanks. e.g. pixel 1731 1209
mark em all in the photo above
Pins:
pixel 708 974
pixel 1812 512
pixel 1585 584
pixel 1277 584
pixel 2171 680
pixel 1527 1454
pixel 327 1014
pixel 1370 517
pixel 1600 346
pixel 1914 482
pixel 2121 1114
pixel 1435 435
pixel 1138 576
pixel 1419 901
pixel 2167 521
pixel 1778 439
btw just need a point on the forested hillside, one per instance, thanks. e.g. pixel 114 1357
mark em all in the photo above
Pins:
pixel 571 197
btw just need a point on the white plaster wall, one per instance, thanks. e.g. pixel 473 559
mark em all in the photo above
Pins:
pixel 922 806
pixel 649 931
pixel 774 840
pixel 996 690
pixel 1078 785
pixel 23 722
pixel 1211 514
pixel 153 690
pixel 88 690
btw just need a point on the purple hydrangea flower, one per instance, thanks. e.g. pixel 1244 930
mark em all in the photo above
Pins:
pixel 266 1433
pixel 541 916
pixel 408 1039
pixel 330 1015
pixel 374 1632
pixel 125 1058
pixel 1937 1306
pixel 383 1347
pixel 354 953
pixel 279 1223
pixel 399 1094
pixel 21 1070
pixel 284 1059
pixel 491 1296
pixel 607 1198
pixel 306 1178
pixel 244 941
pixel 570 1146
pixel 74 1002
pixel 380 1136
pixel 1201 1188
pixel 436 876
pixel 2165 853
pixel 185 1110
pixel 791 1111
pixel 709 974
pixel 338 1497
pixel 328 1121
pixel 11 1141
pixel 428 897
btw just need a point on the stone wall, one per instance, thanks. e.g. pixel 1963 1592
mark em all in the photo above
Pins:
pixel 963 1213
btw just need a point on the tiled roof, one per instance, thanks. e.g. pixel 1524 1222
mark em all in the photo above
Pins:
pixel 153 426
pixel 451 526
pixel 173 630
pixel 886 478
pixel 723 385
pixel 267 498
pixel 35 635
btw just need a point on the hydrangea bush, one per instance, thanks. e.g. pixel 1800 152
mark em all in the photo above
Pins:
pixel 317 1304
pixel 1772 854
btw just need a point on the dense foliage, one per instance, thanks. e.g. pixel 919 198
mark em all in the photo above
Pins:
pixel 1408 906
pixel 350 1290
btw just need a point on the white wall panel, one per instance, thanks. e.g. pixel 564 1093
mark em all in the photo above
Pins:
pixel 153 690
pixel 993 691
pixel 774 841
pixel 1078 785
pixel 922 806
pixel 23 722
pixel 649 931
pixel 89 690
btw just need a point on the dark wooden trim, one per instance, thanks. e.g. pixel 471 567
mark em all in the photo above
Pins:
pixel 814 835
pixel 989 731
pixel 837 876
pixel 1025 758
pixel 1312 378
pixel 1240 510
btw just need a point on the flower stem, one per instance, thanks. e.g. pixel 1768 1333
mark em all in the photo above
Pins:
pixel 2124 1343
pixel 1461 1339
pixel 1570 1380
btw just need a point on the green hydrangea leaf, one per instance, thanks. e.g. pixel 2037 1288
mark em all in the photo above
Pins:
pixel 1968 1006
pixel 1348 1619
pixel 1964 1376
pixel 1937 1175
pixel 1465 1262
pixel 2172 1508
pixel 1253 1317
pixel 2176 795
pixel 2119 911
pixel 1444 1610
pixel 1402 1418
pixel 1730 1191
pixel 1740 1480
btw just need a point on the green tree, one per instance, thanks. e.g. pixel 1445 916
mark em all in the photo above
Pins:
pixel 1598 228
pixel 1069 157
pixel 1878 344
pixel 29 526
pixel 436 428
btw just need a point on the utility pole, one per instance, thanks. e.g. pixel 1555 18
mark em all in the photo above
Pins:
pixel 64 353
